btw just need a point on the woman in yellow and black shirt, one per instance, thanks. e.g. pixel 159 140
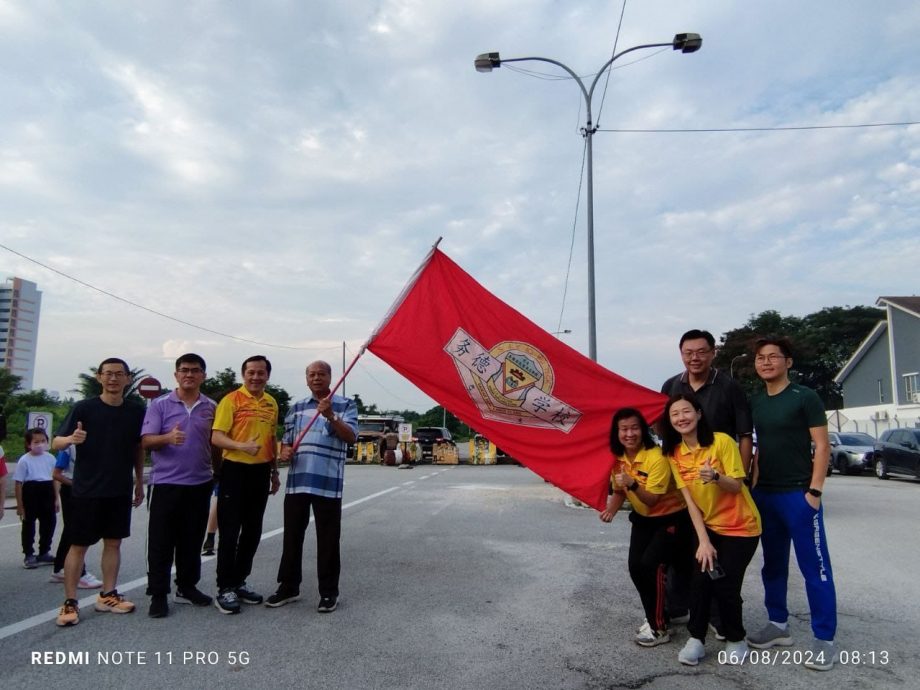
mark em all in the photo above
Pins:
pixel 660 525
pixel 708 471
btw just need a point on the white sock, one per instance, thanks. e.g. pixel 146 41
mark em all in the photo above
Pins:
pixel 781 626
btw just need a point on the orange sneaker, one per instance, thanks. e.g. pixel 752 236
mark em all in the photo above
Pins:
pixel 69 613
pixel 113 602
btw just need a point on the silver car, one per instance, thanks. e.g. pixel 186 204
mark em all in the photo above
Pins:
pixel 851 452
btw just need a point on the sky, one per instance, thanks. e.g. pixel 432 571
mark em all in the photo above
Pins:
pixel 277 170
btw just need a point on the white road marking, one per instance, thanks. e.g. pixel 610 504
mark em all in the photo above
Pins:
pixel 87 602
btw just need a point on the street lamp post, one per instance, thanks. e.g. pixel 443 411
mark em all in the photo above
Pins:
pixel 731 366
pixel 486 62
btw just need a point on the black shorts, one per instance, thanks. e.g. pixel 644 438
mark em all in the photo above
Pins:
pixel 92 519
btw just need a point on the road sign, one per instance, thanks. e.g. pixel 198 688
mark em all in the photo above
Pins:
pixel 149 388
pixel 40 420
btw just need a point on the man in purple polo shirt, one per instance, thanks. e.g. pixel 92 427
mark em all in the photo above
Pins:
pixel 177 428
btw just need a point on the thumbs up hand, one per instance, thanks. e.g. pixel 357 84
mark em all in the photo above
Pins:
pixel 707 474
pixel 176 436
pixel 78 436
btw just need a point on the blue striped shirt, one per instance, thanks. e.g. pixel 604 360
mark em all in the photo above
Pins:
pixel 318 465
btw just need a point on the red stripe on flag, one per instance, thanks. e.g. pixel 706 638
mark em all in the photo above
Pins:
pixel 536 398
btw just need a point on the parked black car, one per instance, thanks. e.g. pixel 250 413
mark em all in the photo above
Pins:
pixel 851 452
pixel 898 452
pixel 428 437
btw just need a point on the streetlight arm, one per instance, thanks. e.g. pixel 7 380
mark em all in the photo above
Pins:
pixel 568 69
pixel 609 62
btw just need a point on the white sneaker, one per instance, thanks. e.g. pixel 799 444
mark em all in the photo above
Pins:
pixel 56 576
pixel 692 652
pixel 89 581
pixel 736 652
pixel 645 628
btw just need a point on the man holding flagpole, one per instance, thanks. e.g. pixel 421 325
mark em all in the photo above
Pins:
pixel 315 481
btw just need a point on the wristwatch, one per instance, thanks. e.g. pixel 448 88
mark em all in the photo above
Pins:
pixel 634 485
pixel 716 476
pixel 815 492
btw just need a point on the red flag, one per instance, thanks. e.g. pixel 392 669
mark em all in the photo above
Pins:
pixel 542 402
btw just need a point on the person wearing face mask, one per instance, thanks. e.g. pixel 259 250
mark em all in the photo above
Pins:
pixel 36 498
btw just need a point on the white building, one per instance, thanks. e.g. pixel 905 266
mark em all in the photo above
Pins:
pixel 20 306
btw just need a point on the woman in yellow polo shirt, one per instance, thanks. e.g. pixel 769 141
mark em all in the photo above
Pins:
pixel 660 524
pixel 708 471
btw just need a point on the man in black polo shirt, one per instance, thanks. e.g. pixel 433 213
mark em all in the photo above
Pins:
pixel 724 403
pixel 726 409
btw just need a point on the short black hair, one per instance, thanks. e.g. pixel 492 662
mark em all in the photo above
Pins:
pixel 670 437
pixel 257 358
pixel 781 341
pixel 191 358
pixel 114 360
pixel 628 413
pixel 696 334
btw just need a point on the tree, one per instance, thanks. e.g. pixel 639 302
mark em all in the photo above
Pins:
pixel 822 344
pixel 221 383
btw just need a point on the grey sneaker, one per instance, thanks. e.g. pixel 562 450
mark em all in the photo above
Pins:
pixel 714 631
pixel 692 652
pixel 247 596
pixel 652 638
pixel 770 636
pixel 821 655
pixel 736 652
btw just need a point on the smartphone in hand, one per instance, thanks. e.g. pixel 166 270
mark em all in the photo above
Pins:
pixel 717 571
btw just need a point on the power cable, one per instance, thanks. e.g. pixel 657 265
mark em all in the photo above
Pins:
pixel 568 269
pixel 616 39
pixel 153 311
pixel 759 129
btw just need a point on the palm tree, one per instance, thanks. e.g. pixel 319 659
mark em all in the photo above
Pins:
pixel 88 385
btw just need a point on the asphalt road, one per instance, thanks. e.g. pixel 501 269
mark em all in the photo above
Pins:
pixel 467 577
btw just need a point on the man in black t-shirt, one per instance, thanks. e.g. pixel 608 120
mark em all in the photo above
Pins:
pixel 106 432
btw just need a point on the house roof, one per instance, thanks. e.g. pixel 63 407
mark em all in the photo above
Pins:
pixel 908 304
pixel 880 328
pixel 911 305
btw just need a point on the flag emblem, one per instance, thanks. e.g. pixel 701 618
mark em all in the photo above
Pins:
pixel 511 382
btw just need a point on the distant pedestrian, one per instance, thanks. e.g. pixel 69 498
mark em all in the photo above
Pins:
pixel 3 472
pixel 63 475
pixel 36 498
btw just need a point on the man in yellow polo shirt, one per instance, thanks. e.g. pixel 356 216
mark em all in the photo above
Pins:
pixel 244 428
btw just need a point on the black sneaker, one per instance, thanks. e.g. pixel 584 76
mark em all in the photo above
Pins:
pixel 281 597
pixel 159 608
pixel 247 596
pixel 207 548
pixel 327 604
pixel 226 601
pixel 191 595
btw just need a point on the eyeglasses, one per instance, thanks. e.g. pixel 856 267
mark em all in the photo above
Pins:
pixel 690 354
pixel 112 374
pixel 771 358
pixel 185 371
